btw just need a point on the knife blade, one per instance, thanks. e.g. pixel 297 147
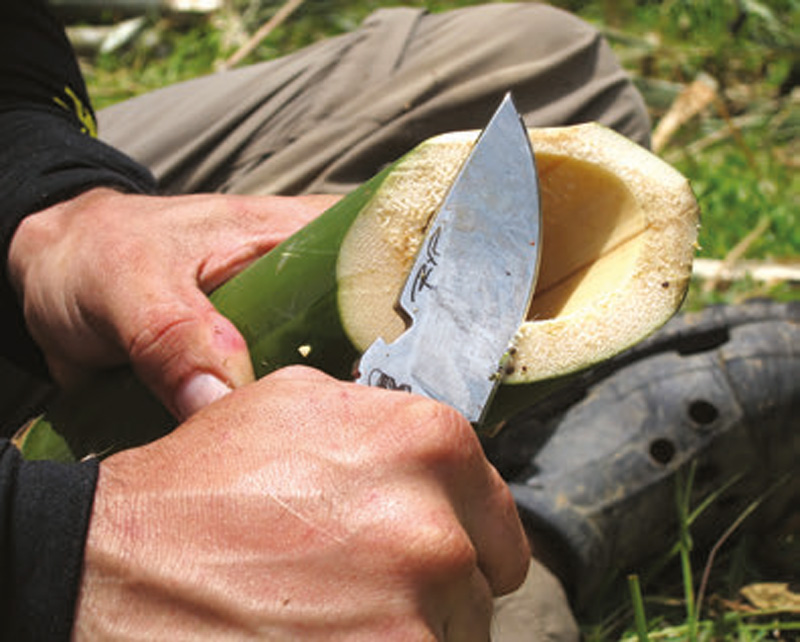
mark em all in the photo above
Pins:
pixel 472 280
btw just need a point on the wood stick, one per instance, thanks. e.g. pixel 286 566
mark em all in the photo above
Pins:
pixel 763 271
pixel 736 253
pixel 690 102
pixel 247 48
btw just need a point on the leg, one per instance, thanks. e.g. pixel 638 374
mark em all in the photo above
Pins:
pixel 328 117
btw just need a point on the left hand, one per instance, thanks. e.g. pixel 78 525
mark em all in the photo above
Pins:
pixel 108 277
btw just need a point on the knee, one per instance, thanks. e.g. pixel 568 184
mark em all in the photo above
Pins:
pixel 570 72
pixel 540 27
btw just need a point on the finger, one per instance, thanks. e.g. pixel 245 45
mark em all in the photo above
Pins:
pixel 485 507
pixel 471 616
pixel 299 374
pixel 187 353
pixel 499 537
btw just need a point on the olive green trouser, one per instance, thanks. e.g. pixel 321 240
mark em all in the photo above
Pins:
pixel 328 117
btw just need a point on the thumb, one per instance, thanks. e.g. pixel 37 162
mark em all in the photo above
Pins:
pixel 190 355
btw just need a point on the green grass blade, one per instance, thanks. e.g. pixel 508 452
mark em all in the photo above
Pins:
pixel 638 608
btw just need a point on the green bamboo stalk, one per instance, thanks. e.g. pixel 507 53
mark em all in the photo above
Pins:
pixel 285 303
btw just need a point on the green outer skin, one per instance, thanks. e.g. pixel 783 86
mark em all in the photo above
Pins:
pixel 276 319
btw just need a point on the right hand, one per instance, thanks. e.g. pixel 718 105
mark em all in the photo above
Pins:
pixel 301 507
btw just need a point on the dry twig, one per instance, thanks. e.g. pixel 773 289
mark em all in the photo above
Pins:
pixel 690 102
pixel 738 251
pixel 248 47
pixel 763 271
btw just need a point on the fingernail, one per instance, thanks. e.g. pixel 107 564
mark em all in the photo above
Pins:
pixel 198 392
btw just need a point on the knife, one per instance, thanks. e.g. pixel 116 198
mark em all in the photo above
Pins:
pixel 472 280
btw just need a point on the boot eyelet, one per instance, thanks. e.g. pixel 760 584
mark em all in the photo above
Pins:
pixel 662 451
pixel 703 413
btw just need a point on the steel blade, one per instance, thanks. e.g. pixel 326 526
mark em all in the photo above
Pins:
pixel 471 283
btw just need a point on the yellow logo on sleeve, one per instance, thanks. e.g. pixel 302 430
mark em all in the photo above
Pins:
pixel 81 112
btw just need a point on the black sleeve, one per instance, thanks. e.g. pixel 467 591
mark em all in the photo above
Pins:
pixel 48 151
pixel 44 516
pixel 47 154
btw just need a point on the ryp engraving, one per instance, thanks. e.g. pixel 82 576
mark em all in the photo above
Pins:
pixel 423 275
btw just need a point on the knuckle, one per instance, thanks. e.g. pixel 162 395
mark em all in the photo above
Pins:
pixel 223 209
pixel 33 231
pixel 157 333
pixel 437 551
pixel 234 208
pixel 439 433
pixel 298 372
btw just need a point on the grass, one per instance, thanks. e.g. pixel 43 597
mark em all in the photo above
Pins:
pixel 672 600
pixel 741 154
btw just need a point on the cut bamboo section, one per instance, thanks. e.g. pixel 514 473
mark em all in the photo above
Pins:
pixel 619 233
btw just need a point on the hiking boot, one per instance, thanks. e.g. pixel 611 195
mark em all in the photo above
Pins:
pixel 593 468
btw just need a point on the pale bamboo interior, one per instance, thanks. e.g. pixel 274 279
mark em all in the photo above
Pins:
pixel 609 235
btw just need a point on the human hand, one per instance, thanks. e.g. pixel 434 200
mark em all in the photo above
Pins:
pixel 109 277
pixel 300 507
